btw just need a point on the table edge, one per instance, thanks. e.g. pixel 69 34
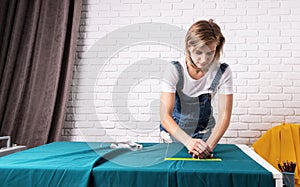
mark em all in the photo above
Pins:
pixel 251 153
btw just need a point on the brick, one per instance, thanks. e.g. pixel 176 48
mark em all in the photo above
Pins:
pixel 171 13
pixel 290 3
pixel 296 53
pixel 235 12
pixel 148 139
pixel 239 82
pixel 279 11
pixel 296 97
pixel 88 28
pixel 273 119
pixel 290 32
pixel 280 40
pixel 226 5
pixel 247 47
pixel 89 14
pixel 162 6
pixel 230 134
pixel 282 112
pixel 259 68
pixel 89 2
pixel 248 33
pixel 223 140
pixel 115 132
pixel 257 54
pixel 229 54
pixel 252 141
pixel 213 12
pixel 249 75
pixel 280 54
pixel 247 4
pixel 292 47
pixel 269 4
pixel 291 76
pixel 131 1
pixel 256 12
pixel 295 11
pixel 76 138
pixel 250 119
pixel 92 131
pixel 270 75
pixel 292 104
pixel 258 40
pixel 228 19
pixel 271 90
pixel 259 83
pixel 247 104
pixel 234 26
pixel 247 19
pixel 245 141
pixel 250 134
pixel 68 125
pixel 269 47
pixel 183 6
pixel 280 25
pixel 268 19
pixel 247 89
pixel 258 111
pixel 235 40
pixel 281 97
pixel 154 133
pixel 150 13
pixel 238 126
pixel 83 124
pixel 260 126
pixel 292 119
pixel 207 5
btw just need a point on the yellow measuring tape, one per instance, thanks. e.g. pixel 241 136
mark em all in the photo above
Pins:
pixel 195 159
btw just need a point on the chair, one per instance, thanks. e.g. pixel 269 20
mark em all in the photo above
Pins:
pixel 279 144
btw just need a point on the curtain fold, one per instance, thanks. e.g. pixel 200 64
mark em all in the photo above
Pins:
pixel 38 48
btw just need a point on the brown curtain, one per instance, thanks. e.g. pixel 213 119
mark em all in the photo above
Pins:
pixel 38 44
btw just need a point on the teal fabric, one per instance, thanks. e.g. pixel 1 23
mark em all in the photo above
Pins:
pixel 95 164
pixel 148 168
pixel 57 164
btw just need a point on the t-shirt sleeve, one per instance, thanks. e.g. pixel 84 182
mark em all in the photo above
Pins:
pixel 170 79
pixel 226 82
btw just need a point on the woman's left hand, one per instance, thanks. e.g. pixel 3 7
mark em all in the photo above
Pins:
pixel 200 149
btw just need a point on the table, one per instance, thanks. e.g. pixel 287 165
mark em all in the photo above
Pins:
pixel 95 164
pixel 9 149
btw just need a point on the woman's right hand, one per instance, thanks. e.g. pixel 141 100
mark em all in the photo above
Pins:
pixel 198 148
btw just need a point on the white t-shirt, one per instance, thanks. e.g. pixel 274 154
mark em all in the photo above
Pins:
pixel 192 87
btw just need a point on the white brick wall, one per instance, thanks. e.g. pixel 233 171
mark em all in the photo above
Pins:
pixel 120 59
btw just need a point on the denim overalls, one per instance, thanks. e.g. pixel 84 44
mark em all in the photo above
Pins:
pixel 194 114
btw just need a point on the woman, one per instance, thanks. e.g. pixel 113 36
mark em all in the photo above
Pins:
pixel 188 88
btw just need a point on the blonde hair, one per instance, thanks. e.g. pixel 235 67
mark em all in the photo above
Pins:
pixel 204 33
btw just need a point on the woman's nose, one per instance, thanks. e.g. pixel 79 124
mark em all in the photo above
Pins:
pixel 203 58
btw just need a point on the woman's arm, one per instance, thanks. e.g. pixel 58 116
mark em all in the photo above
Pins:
pixel 224 110
pixel 167 101
pixel 196 147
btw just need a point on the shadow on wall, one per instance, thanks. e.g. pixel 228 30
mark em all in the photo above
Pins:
pixel 116 88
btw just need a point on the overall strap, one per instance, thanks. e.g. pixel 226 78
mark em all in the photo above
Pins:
pixel 218 76
pixel 179 85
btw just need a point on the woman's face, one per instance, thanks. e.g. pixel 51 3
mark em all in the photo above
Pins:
pixel 203 56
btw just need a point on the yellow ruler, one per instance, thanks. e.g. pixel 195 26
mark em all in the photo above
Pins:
pixel 195 159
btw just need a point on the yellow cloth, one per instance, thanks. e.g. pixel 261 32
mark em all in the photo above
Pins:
pixel 281 143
